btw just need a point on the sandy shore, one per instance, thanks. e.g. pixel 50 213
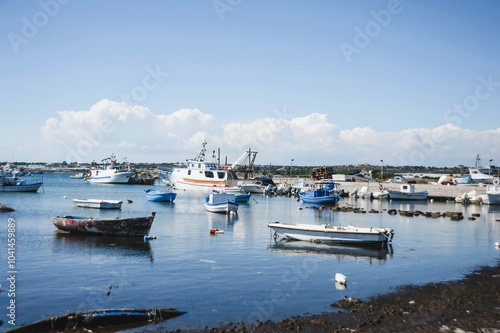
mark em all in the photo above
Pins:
pixel 468 305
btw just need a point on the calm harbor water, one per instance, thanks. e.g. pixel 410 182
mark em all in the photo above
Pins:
pixel 241 275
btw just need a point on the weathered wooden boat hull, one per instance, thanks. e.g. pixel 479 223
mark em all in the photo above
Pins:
pixel 328 233
pixel 99 320
pixel 99 204
pixel 137 226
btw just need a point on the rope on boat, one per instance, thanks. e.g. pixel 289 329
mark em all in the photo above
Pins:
pixel 393 241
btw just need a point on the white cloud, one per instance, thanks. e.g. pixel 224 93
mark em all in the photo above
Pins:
pixel 139 134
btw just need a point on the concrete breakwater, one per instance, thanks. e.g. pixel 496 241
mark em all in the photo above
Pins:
pixel 436 192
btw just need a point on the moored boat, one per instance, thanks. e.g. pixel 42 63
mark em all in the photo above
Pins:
pixel 221 203
pixel 329 233
pixel 108 320
pixel 110 173
pixel 15 184
pixel 98 203
pixel 199 174
pixel 407 192
pixel 79 175
pixel 324 193
pixel 129 226
pixel 492 195
pixel 157 195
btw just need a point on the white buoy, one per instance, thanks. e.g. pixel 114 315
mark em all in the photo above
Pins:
pixel 340 278
pixel 497 244
pixel 64 197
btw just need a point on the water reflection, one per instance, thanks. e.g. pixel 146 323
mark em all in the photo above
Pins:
pixel 340 251
pixel 69 243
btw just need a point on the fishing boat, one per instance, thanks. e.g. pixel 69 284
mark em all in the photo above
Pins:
pixel 129 226
pixel 323 193
pixel 199 174
pixel 157 195
pixel 221 203
pixel 329 233
pixel 108 320
pixel 407 192
pixel 109 172
pixel 481 174
pixel 98 203
pixel 15 184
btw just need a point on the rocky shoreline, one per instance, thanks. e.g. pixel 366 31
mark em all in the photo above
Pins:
pixel 471 304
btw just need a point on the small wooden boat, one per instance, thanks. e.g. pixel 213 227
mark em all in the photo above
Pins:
pixel 328 233
pixel 15 184
pixel 156 195
pixel 99 320
pixel 130 226
pixel 324 193
pixel 221 203
pixel 98 203
pixel 407 192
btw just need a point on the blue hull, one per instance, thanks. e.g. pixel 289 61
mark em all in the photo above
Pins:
pixel 160 196
pixel 319 200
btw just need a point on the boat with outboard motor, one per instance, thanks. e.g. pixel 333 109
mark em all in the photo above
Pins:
pixel 329 233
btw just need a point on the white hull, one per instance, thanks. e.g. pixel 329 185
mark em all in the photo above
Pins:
pixel 223 207
pixel 104 177
pixel 492 196
pixel 193 179
pixel 398 195
pixel 328 233
pixel 221 203
pixel 98 203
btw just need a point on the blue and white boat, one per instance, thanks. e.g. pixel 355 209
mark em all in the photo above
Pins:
pixel 110 173
pixel 156 195
pixel 324 193
pixel 242 197
pixel 221 203
pixel 14 184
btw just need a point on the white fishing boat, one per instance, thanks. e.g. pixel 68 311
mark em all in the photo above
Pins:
pixel 98 203
pixel 110 172
pixel 329 233
pixel 407 192
pixel 221 203
pixel 199 174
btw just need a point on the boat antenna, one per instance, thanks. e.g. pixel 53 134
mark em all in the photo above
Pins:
pixel 200 157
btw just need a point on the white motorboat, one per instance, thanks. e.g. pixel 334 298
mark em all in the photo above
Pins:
pixel 98 203
pixel 259 185
pixel 329 233
pixel 110 173
pixel 492 195
pixel 407 192
pixel 481 174
pixel 79 175
pixel 221 203
pixel 199 174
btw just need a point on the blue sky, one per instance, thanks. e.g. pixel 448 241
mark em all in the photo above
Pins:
pixel 322 82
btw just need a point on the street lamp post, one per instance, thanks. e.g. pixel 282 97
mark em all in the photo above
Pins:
pixel 382 170
pixel 291 169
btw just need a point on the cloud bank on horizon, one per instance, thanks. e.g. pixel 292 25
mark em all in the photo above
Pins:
pixel 136 132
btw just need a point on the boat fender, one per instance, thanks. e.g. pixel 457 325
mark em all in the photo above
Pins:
pixel 496 181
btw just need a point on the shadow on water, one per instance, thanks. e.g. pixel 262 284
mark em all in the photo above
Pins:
pixel 340 251
pixel 64 242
